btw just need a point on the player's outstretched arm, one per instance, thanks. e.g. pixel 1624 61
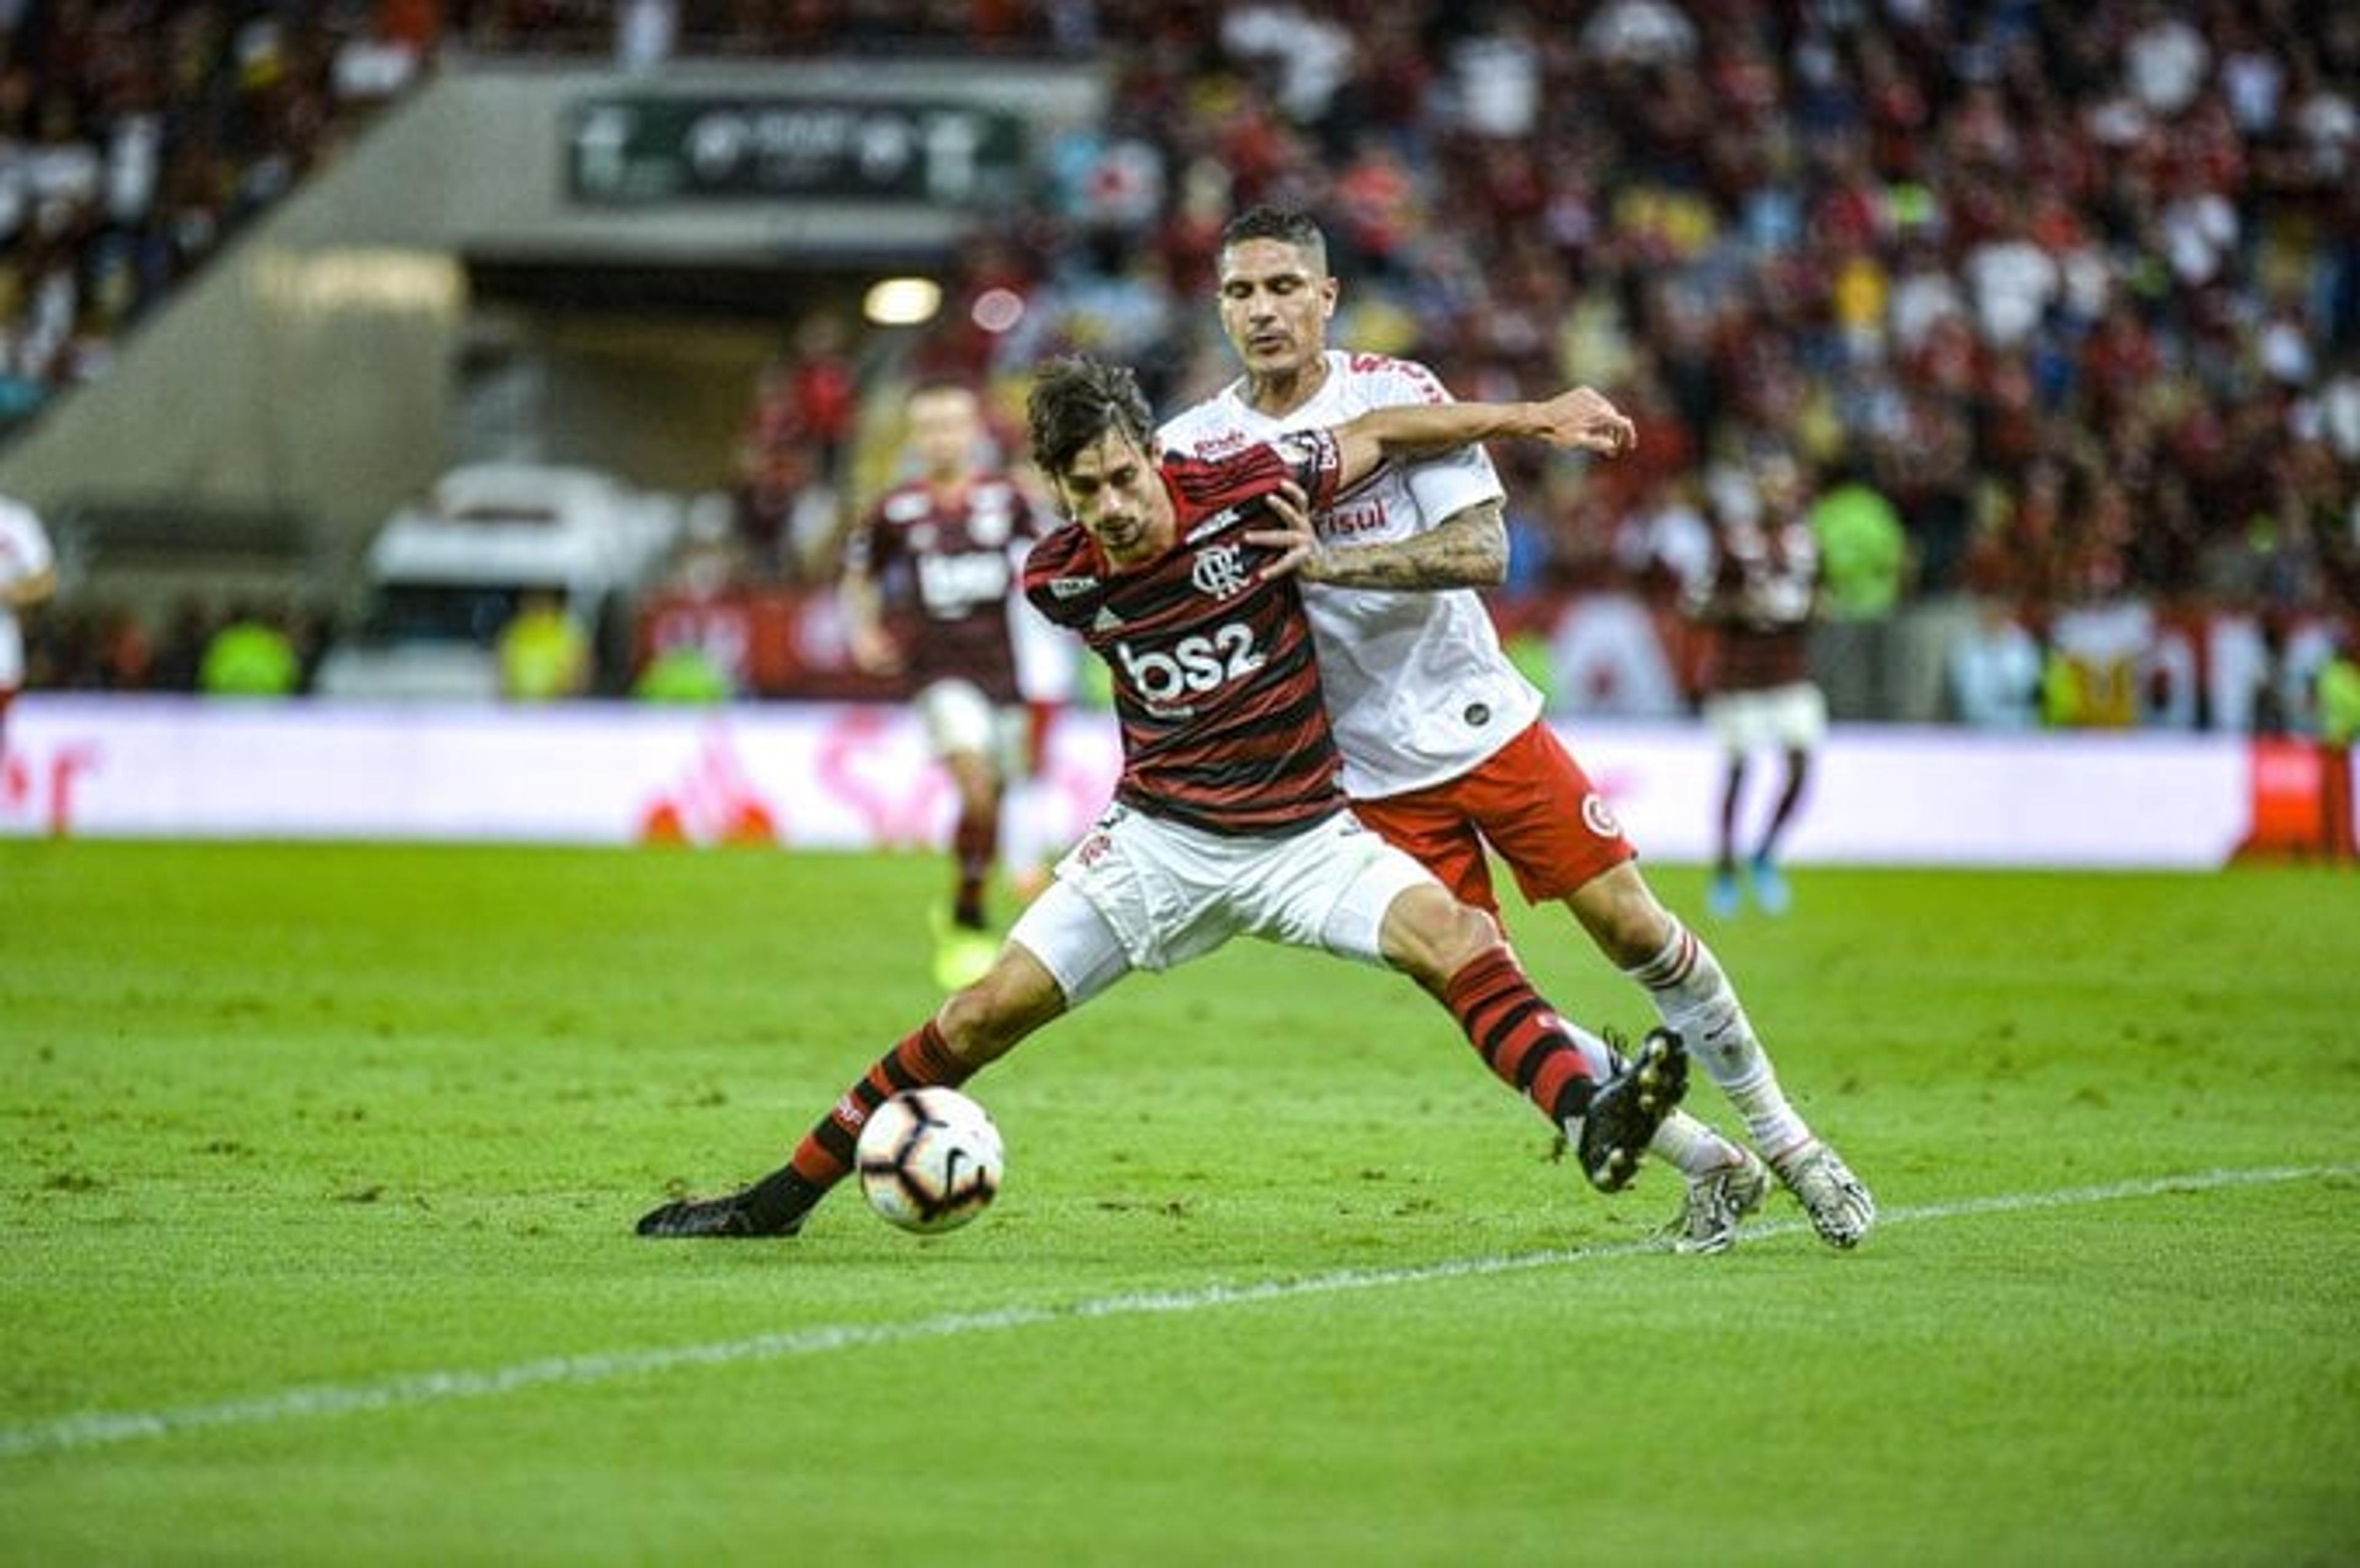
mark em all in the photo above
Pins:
pixel 1469 549
pixel 1577 418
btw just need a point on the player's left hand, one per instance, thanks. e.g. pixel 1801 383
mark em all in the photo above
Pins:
pixel 1297 541
pixel 1581 417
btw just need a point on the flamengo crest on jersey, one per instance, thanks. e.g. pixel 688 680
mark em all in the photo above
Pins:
pixel 1417 686
pixel 1216 682
pixel 1220 571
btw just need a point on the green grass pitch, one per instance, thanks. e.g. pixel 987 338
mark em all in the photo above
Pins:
pixel 321 1164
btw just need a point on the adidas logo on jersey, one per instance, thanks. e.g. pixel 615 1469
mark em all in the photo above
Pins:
pixel 1108 621
pixel 1211 526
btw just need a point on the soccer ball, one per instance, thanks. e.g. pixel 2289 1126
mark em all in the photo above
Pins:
pixel 929 1160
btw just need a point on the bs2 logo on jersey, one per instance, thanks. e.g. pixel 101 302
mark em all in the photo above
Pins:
pixel 1195 664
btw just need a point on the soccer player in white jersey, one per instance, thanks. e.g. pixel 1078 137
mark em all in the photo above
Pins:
pixel 1228 820
pixel 28 574
pixel 1445 749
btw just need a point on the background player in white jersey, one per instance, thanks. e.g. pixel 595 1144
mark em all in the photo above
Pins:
pixel 28 574
pixel 1227 819
pixel 1445 749
pixel 940 552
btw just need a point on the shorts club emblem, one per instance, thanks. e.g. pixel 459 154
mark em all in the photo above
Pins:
pixel 1599 816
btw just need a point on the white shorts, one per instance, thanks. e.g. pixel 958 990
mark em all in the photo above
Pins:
pixel 1792 718
pixel 1141 892
pixel 960 718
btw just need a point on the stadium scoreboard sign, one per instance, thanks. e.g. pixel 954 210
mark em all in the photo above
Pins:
pixel 628 151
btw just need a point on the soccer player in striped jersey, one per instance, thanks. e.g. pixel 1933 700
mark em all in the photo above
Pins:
pixel 1446 752
pixel 942 545
pixel 1227 819
pixel 1756 595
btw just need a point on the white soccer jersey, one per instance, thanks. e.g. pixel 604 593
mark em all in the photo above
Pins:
pixel 1417 687
pixel 24 553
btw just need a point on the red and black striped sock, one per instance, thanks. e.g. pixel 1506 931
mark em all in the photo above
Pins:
pixel 824 1155
pixel 1517 1034
pixel 974 845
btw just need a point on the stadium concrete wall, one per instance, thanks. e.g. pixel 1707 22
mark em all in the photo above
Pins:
pixel 849 776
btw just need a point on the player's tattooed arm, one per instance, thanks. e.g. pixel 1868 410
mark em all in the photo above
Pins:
pixel 1466 549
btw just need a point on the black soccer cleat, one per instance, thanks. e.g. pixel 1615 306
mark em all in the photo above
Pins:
pixel 1623 1113
pixel 731 1215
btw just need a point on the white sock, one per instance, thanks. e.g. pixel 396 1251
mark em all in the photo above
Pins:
pixel 1696 1000
pixel 1595 1053
pixel 1690 1146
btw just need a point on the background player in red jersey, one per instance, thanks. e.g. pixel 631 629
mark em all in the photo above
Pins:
pixel 1757 596
pixel 1227 819
pixel 1445 749
pixel 942 549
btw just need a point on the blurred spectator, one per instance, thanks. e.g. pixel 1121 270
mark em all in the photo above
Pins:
pixel 544 652
pixel 791 452
pixel 1865 564
pixel 2339 695
pixel 180 650
pixel 646 32
pixel 1994 669
pixel 683 674
pixel 776 458
pixel 250 656
pixel 135 137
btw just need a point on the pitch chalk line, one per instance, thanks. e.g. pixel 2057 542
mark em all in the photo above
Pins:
pixel 97 1429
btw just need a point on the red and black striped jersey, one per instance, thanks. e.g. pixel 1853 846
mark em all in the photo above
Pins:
pixel 1216 685
pixel 1764 587
pixel 946 569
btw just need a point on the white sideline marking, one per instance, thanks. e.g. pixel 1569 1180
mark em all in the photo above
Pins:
pixel 93 1429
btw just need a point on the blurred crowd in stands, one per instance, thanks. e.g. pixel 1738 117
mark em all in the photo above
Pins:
pixel 134 139
pixel 2074 289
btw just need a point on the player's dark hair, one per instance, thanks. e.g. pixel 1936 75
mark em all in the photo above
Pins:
pixel 1074 404
pixel 1288 225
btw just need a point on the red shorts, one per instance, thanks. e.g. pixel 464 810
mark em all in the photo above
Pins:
pixel 1530 801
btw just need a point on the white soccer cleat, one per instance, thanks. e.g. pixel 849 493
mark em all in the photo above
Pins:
pixel 1840 1209
pixel 1715 1203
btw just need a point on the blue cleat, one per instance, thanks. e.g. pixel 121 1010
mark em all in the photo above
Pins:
pixel 1770 890
pixel 1724 897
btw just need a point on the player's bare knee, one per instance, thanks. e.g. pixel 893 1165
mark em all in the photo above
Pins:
pixel 1431 936
pixel 975 1021
pixel 984 1020
pixel 1623 916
